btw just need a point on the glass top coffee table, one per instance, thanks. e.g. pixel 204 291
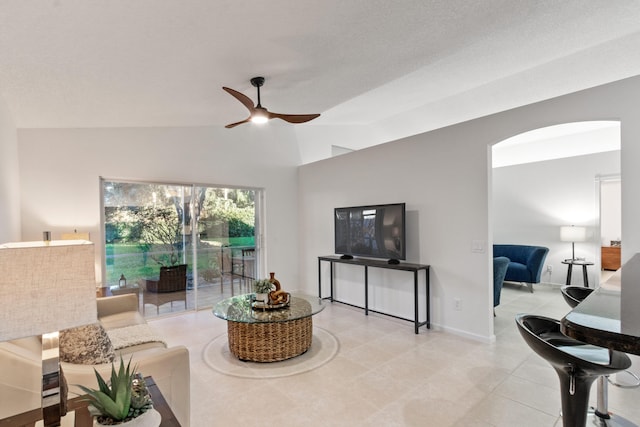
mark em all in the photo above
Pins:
pixel 268 335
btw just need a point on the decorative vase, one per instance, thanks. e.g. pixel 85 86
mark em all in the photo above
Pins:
pixel 151 418
pixel 275 281
pixel 277 296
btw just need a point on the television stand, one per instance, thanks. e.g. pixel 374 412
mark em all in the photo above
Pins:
pixel 346 257
pixel 366 263
pixel 393 261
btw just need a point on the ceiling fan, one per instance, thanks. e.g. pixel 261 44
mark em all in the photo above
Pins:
pixel 259 114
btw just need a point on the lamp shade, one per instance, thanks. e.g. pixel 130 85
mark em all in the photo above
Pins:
pixel 571 233
pixel 46 287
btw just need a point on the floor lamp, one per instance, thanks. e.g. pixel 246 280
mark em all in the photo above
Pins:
pixel 573 234
pixel 46 287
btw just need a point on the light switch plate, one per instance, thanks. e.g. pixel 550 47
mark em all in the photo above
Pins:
pixel 477 246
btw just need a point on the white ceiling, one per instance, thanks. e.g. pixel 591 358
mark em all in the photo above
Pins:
pixel 122 63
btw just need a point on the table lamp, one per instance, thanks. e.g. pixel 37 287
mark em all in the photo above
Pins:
pixel 571 233
pixel 46 287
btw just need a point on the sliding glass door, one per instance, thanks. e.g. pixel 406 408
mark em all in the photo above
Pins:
pixel 176 246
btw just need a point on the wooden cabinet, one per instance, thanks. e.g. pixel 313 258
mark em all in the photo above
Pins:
pixel 610 257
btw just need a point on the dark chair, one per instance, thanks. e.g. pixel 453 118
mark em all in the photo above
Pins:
pixel 169 287
pixel 228 269
pixel 573 295
pixel 500 265
pixel 172 279
pixel 243 266
pixel 249 263
pixel 577 364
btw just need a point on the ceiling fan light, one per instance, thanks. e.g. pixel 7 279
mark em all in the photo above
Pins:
pixel 259 116
pixel 259 119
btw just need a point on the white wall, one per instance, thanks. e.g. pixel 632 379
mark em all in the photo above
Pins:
pixel 60 170
pixel 436 175
pixel 444 177
pixel 9 187
pixel 532 201
pixel 316 141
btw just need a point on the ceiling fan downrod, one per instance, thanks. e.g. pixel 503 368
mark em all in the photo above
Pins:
pixel 257 82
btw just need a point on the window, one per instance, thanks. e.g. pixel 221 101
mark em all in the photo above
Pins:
pixel 178 246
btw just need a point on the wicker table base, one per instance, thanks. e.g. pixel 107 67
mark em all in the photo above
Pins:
pixel 270 342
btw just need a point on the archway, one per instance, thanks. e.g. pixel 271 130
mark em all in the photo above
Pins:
pixel 544 179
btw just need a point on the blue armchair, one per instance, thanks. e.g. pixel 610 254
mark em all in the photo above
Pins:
pixel 525 264
pixel 500 265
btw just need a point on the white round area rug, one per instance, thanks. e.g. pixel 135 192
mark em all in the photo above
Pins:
pixel 324 347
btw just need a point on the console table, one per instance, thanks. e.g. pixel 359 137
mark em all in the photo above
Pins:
pixel 366 263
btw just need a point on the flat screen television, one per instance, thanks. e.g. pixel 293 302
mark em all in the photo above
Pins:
pixel 376 231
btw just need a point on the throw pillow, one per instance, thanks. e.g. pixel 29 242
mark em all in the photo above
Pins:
pixel 86 345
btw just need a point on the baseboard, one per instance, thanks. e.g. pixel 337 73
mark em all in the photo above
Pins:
pixel 465 334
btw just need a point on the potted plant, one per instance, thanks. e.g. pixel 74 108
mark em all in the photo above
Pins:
pixel 262 289
pixel 124 401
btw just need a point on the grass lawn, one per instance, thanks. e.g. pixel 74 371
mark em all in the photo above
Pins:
pixel 135 263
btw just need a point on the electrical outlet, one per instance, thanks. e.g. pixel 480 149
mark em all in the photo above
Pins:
pixel 549 269
pixel 457 304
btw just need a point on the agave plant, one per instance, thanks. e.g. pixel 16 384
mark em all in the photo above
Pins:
pixel 124 397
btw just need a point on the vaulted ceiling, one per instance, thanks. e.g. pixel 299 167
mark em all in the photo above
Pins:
pixel 403 66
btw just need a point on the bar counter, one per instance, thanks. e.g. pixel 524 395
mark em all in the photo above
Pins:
pixel 610 316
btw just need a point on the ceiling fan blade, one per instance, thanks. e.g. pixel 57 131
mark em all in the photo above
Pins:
pixel 293 118
pixel 244 99
pixel 232 125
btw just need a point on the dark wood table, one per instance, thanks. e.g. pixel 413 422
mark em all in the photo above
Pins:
pixel 84 419
pixel 584 264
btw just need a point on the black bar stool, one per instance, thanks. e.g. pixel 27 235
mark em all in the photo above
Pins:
pixel 574 295
pixel 577 364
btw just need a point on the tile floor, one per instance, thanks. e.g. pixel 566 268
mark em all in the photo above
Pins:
pixel 385 375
